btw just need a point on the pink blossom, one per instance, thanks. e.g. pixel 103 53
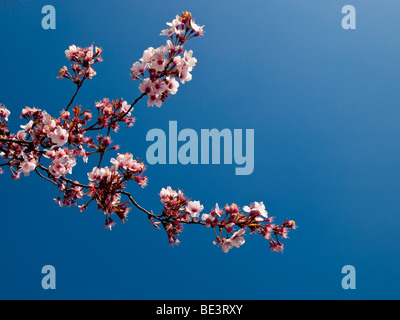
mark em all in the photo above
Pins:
pixel 109 224
pixel 236 240
pixel 167 194
pixel 147 55
pixel 276 246
pixel 189 60
pixel 146 86
pixel 137 69
pixel 63 161
pixel 125 107
pixel 127 162
pixel 194 208
pixel 257 209
pixel 99 174
pixel 183 68
pixel 28 126
pixel 49 122
pixel 28 165
pixel 90 73
pixel 172 84
pixel 27 112
pixel 61 167
pixel 59 136
pixel 208 219
pixel 158 61
pixel 71 53
pixel 291 224
pixel 197 28
pixel 226 245
pixel 141 181
pixel 175 25
pixel 4 112
pixel 154 100
pixel 21 134
pixel 63 73
pixel 160 86
pixel 185 76
pixel 232 209
pixel 167 32
pixel 217 211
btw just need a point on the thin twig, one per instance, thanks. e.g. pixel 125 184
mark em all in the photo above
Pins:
pixel 64 179
pixel 73 97
pixel 16 141
pixel 37 171
pixel 138 206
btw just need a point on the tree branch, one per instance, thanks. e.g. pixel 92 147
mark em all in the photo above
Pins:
pixel 79 85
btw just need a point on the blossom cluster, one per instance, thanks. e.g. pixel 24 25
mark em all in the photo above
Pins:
pixel 110 113
pixel 82 61
pixel 51 147
pixel 63 139
pixel 165 64
pixel 229 224
pixel 107 183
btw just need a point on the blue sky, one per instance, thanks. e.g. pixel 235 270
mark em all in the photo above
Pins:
pixel 324 105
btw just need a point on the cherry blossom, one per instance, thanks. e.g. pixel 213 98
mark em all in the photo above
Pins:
pixel 236 240
pixel 164 64
pixel 256 209
pixel 208 219
pixel 59 136
pixel 194 208
pixel 4 112
pixel 28 164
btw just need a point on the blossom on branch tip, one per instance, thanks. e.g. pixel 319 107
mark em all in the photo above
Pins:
pixel 164 63
pixel 232 209
pixel 109 224
pixel 72 53
pixel 167 194
pixel 63 73
pixel 276 246
pixel 82 61
pixel 197 28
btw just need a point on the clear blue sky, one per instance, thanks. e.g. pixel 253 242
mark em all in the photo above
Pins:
pixel 325 108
